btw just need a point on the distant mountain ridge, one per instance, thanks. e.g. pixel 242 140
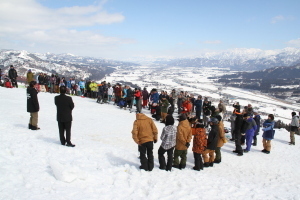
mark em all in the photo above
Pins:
pixel 292 72
pixel 67 65
pixel 240 59
pixel 280 82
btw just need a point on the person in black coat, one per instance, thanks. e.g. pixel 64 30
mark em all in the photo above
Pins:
pixel 12 74
pixel 257 121
pixel 33 106
pixel 212 142
pixel 64 105
pixel 237 132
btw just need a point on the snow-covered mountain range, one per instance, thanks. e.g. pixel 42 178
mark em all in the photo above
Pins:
pixel 240 59
pixel 70 65
pixel 67 65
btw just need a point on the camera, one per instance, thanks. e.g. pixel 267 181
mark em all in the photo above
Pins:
pixel 236 105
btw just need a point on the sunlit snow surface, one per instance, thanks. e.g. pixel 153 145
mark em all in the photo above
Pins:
pixel 104 163
pixel 201 81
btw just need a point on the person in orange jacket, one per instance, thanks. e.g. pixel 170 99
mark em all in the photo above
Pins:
pixel 199 144
pixel 144 133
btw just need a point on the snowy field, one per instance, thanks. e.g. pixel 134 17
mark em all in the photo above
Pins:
pixel 196 81
pixel 104 163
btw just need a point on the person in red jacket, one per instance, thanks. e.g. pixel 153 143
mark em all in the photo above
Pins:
pixel 187 106
pixel 138 97
pixel 118 93
pixel 7 84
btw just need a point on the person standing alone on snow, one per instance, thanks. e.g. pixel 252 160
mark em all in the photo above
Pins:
pixel 294 127
pixel 64 105
pixel 33 106
pixel 144 133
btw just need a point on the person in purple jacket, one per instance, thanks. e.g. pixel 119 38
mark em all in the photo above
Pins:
pixel 250 130
pixel 145 94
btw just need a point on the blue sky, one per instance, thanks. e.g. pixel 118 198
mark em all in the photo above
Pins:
pixel 121 29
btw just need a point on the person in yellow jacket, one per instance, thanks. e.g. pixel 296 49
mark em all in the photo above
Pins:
pixel 29 76
pixel 183 139
pixel 94 89
pixel 221 140
pixel 144 133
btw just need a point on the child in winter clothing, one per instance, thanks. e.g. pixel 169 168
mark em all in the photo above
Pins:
pixel 199 144
pixel 183 139
pixel 268 134
pixel 7 84
pixel 168 143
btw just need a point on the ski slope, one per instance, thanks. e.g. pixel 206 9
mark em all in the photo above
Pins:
pixel 104 163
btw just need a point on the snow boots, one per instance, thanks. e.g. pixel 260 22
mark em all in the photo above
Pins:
pixel 206 164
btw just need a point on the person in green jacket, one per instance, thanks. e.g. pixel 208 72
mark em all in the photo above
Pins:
pixel 164 104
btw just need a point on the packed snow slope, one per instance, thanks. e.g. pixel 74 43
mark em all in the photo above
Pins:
pixel 105 165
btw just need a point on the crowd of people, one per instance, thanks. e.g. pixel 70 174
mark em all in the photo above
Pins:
pixel 199 120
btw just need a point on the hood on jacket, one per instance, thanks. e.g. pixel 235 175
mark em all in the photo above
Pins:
pixel 185 123
pixel 141 116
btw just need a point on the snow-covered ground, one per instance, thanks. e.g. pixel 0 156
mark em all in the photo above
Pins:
pixel 197 81
pixel 104 163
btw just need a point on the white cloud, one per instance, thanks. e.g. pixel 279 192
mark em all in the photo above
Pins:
pixel 277 19
pixel 212 42
pixel 280 18
pixel 36 25
pixel 294 43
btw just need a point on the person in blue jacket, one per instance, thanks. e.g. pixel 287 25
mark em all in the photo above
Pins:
pixel 154 97
pixel 250 130
pixel 268 134
pixel 198 105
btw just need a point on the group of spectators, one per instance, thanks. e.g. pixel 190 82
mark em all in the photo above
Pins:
pixel 196 117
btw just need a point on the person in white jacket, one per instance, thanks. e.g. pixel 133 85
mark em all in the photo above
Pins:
pixel 294 127
pixel 110 91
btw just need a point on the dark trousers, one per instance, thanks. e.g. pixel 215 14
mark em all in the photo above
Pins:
pixel 65 126
pixel 255 139
pixel 218 153
pixel 14 83
pixel 198 161
pixel 117 99
pixel 238 146
pixel 147 163
pixel 162 160
pixel 243 138
pixel 198 114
